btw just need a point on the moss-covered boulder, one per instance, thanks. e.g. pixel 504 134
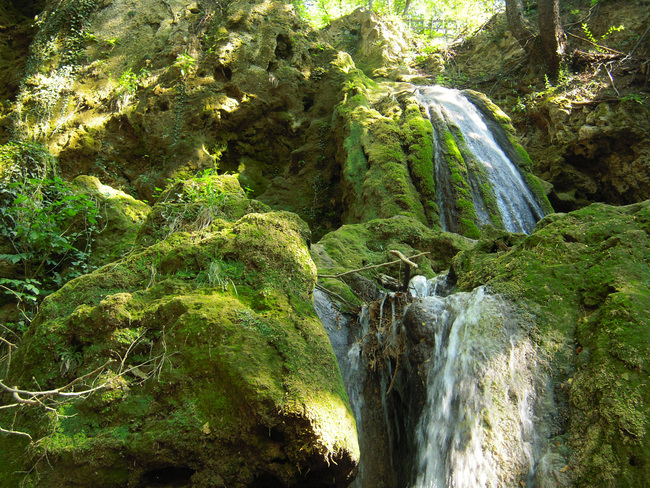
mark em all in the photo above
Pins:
pixel 585 278
pixel 210 365
pixel 356 246
pixel 194 203
pixel 120 219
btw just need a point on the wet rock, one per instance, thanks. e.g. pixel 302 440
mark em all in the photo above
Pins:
pixel 583 276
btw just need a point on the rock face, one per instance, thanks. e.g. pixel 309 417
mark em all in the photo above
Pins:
pixel 597 152
pixel 216 371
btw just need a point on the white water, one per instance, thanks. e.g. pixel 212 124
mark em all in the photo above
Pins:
pixel 517 205
pixel 477 427
pixel 347 348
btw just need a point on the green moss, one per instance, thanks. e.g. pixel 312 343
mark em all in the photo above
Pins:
pixel 359 245
pixel 357 164
pixel 418 135
pixel 539 189
pixel 121 216
pixel 223 345
pixel 382 178
pixel 464 211
pixel 524 159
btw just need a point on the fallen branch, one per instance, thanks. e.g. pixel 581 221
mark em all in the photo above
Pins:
pixel 335 295
pixel 403 258
pixel 36 397
pixel 10 344
pixel 17 432
pixel 614 51
pixel 374 266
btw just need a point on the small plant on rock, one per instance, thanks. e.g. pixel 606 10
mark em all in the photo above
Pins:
pixel 185 63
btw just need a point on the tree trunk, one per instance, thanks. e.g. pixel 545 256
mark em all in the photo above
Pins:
pixel 519 26
pixel 551 34
pixel 406 8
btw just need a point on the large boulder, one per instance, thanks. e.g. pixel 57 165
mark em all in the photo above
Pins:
pixel 211 368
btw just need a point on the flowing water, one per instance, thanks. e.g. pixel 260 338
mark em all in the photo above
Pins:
pixel 517 205
pixel 476 427
pixel 447 389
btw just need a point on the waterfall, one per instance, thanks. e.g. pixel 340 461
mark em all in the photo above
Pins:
pixel 498 192
pixel 447 388
pixel 477 427
pixel 473 422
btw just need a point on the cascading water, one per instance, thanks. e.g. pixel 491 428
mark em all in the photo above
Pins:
pixel 446 388
pixel 493 178
pixel 475 425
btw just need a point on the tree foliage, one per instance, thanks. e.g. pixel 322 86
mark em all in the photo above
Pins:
pixel 465 13
pixel 46 226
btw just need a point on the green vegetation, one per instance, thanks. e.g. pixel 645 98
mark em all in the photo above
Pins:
pixel 222 345
pixel 185 63
pixel 47 226
pixel 433 18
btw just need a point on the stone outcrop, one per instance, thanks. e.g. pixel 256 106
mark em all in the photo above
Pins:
pixel 217 371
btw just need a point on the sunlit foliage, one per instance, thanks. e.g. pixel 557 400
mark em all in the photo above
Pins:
pixel 463 14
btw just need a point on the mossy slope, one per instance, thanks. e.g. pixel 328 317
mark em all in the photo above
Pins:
pixel 229 378
pixel 357 246
pixel 585 276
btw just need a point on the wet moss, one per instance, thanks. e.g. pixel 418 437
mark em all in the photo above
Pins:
pixel 463 210
pixel 418 136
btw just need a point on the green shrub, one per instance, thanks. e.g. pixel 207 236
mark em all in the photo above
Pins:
pixel 46 226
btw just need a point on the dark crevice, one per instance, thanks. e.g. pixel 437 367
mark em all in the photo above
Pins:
pixel 168 476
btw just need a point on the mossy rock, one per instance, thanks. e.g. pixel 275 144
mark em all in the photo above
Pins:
pixel 120 216
pixel 385 151
pixel 193 204
pixel 356 246
pixel 220 372
pixel 585 278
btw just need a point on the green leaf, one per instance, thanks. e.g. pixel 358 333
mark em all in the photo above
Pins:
pixel 15 258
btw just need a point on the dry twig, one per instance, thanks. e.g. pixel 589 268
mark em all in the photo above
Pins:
pixel 374 266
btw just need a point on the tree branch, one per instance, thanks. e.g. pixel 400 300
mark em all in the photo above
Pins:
pixel 17 432
pixel 37 396
pixel 374 266
pixel 335 295
pixel 614 51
